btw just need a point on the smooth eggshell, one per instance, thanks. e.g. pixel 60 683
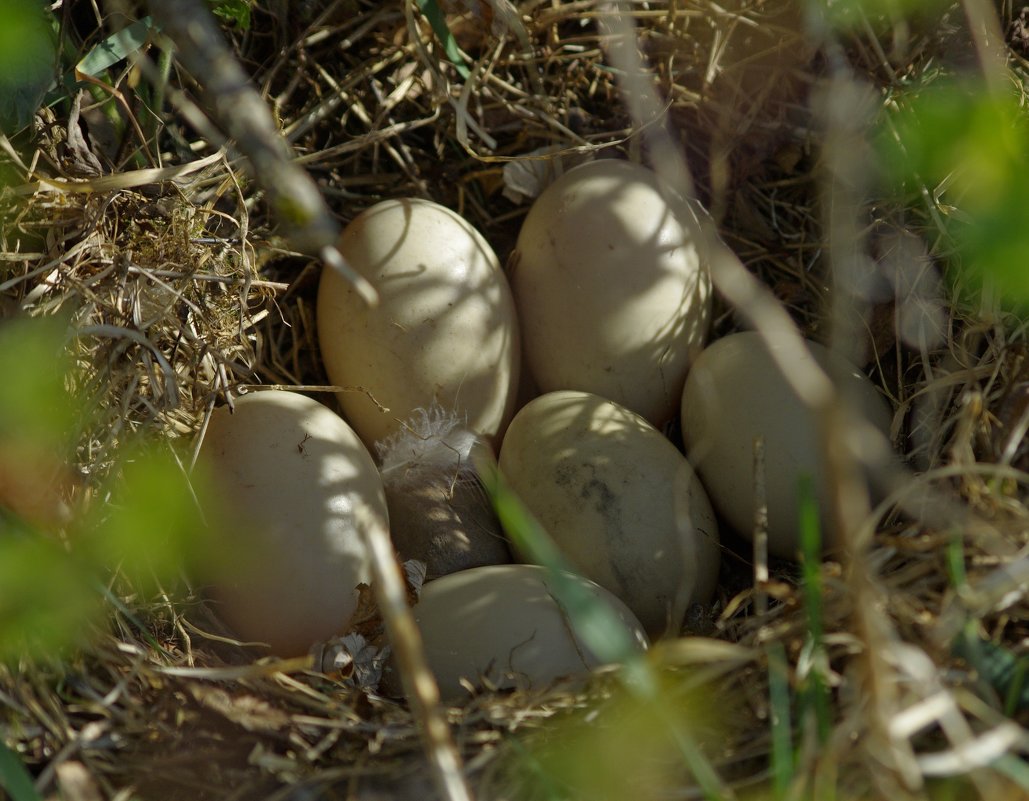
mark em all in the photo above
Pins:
pixel 612 293
pixel 445 330
pixel 292 474
pixel 504 624
pixel 622 503
pixel 734 394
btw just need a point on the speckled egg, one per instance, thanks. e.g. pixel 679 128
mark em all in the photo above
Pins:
pixel 620 501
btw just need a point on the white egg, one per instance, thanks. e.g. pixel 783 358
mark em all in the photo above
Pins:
pixel 504 626
pixel 445 330
pixel 621 502
pixel 292 475
pixel 612 293
pixel 734 394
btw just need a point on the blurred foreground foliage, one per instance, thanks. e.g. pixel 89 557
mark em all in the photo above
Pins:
pixel 964 151
pixel 59 556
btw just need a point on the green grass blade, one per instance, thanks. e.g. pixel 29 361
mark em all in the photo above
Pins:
pixel 438 21
pixel 816 693
pixel 783 762
pixel 14 779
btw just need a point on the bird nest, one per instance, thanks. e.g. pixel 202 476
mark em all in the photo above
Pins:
pixel 127 218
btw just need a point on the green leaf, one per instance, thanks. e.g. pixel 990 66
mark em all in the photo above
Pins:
pixel 152 529
pixel 438 21
pixel 35 407
pixel 235 11
pixel 1003 670
pixel 28 61
pixel 115 48
pixel 47 598
pixel 14 778
pixel 847 14
pixel 1014 768
pixel 969 150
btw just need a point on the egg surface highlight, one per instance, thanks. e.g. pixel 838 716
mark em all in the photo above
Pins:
pixel 444 331
pixel 622 504
pixel 507 625
pixel 293 475
pixel 612 293
pixel 734 394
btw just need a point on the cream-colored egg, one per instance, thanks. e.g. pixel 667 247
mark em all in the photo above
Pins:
pixel 506 625
pixel 612 293
pixel 622 503
pixel 734 394
pixel 293 476
pixel 445 330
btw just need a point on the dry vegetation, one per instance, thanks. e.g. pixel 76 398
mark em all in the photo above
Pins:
pixel 178 290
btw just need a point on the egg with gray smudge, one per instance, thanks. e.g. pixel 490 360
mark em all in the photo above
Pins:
pixel 622 504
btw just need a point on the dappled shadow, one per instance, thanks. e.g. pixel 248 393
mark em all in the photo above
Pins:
pixel 612 294
pixel 445 331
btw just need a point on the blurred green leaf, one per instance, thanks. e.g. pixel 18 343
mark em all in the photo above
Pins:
pixel 617 749
pixel 47 598
pixel 28 61
pixel 1003 670
pixel 152 528
pixel 115 47
pixel 814 689
pixel 847 14
pixel 235 11
pixel 970 150
pixel 35 407
pixel 14 778
pixel 780 700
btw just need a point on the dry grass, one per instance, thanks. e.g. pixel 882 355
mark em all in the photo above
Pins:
pixel 178 291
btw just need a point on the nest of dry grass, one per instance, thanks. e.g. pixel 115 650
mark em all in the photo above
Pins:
pixel 178 290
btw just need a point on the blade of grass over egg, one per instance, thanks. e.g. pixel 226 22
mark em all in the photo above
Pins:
pixel 599 627
pixel 595 623
pixel 816 693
